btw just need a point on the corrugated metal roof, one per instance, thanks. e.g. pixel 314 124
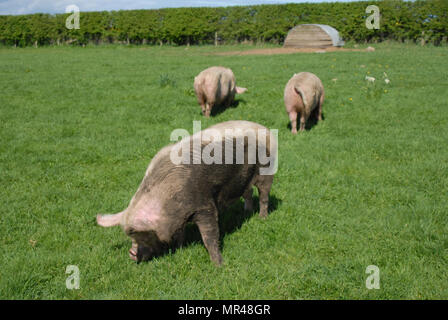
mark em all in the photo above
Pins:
pixel 332 32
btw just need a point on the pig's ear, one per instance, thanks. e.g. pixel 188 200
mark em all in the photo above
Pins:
pixel 109 220
pixel 240 90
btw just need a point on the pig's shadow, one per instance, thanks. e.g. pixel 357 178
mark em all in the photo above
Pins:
pixel 221 108
pixel 230 220
pixel 310 123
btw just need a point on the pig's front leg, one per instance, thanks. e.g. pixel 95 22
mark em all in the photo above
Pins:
pixel 248 202
pixel 208 110
pixel 263 184
pixel 207 222
pixel 179 238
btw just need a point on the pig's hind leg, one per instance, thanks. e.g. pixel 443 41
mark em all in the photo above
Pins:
pixel 293 119
pixel 207 222
pixel 302 121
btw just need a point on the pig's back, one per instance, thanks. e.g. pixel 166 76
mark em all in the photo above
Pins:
pixel 307 81
pixel 223 182
pixel 216 82
pixel 229 181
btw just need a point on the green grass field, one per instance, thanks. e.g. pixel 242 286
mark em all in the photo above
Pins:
pixel 366 186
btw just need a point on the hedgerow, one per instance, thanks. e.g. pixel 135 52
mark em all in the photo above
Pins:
pixel 422 21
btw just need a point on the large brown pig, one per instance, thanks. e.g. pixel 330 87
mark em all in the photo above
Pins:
pixel 215 86
pixel 179 186
pixel 304 93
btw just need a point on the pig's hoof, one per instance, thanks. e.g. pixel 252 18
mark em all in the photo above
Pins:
pixel 294 131
pixel 217 261
pixel 248 206
pixel 263 216
pixel 219 264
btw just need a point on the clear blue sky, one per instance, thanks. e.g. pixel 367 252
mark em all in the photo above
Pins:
pixel 58 6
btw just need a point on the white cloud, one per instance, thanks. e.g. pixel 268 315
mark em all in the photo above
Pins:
pixel 58 6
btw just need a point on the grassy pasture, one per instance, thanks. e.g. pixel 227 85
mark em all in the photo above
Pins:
pixel 366 186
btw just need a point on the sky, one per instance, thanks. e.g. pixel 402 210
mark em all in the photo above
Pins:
pixel 58 6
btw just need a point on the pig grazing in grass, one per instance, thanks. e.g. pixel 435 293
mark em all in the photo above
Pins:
pixel 304 93
pixel 215 86
pixel 182 184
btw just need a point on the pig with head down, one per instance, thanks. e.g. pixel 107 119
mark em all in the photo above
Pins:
pixel 304 93
pixel 181 185
pixel 215 86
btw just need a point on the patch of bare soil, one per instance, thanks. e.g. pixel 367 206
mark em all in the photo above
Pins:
pixel 283 51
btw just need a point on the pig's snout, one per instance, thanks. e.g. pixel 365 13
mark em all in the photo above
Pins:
pixel 133 254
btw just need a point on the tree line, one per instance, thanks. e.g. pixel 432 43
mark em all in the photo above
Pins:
pixel 424 21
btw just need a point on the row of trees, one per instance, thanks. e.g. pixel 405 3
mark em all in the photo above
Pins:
pixel 400 20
